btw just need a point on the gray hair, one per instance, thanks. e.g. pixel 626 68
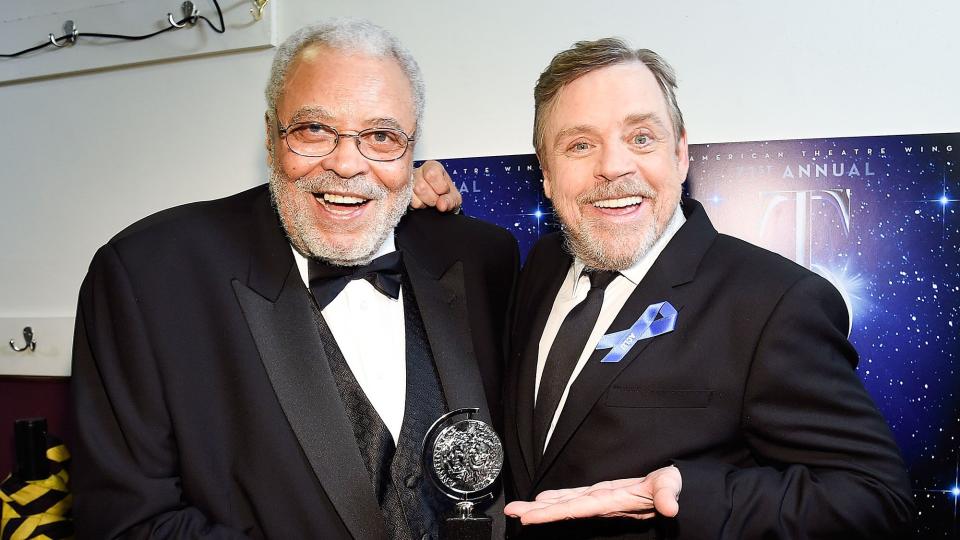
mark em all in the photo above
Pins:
pixel 587 56
pixel 344 34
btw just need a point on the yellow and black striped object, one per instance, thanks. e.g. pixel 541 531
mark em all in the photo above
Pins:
pixel 38 508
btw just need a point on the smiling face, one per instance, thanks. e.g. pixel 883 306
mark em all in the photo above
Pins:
pixel 612 164
pixel 342 206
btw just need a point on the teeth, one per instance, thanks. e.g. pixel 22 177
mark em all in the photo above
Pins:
pixel 342 199
pixel 618 203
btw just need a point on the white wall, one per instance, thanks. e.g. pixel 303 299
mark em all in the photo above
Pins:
pixel 83 156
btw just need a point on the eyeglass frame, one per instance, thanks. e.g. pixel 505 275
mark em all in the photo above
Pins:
pixel 283 131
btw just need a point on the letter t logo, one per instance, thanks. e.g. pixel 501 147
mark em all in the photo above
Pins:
pixel 804 214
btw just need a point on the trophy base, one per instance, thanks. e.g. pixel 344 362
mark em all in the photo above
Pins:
pixel 478 527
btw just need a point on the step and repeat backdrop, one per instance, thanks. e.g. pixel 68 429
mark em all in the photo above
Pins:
pixel 877 216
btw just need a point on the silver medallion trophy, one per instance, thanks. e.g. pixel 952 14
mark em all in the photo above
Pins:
pixel 464 457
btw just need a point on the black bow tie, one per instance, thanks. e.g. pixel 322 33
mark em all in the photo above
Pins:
pixel 327 280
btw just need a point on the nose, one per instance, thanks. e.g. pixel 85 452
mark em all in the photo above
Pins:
pixel 346 159
pixel 615 161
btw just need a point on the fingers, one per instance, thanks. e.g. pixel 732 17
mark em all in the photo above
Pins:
pixel 606 499
pixel 415 202
pixel 432 187
pixel 449 202
pixel 637 498
pixel 545 511
pixel 436 177
pixel 560 494
pixel 665 501
pixel 423 193
pixel 557 495
pixel 519 508
pixel 665 485
pixel 617 484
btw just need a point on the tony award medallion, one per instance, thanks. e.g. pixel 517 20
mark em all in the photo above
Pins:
pixel 464 457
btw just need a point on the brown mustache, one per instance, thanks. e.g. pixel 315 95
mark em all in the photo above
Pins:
pixel 616 190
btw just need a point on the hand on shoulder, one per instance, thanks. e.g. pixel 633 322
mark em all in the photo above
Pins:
pixel 433 187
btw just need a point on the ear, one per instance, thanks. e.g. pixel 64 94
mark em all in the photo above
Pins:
pixel 547 183
pixel 683 156
pixel 269 131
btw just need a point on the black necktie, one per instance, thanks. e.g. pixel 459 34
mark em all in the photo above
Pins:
pixel 564 354
pixel 327 280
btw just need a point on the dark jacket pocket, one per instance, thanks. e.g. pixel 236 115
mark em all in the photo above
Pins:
pixel 627 396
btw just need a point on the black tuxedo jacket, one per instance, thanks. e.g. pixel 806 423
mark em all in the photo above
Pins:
pixel 203 399
pixel 753 396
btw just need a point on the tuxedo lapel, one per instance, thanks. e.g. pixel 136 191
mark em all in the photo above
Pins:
pixel 443 309
pixel 676 266
pixel 556 264
pixel 277 309
pixel 440 291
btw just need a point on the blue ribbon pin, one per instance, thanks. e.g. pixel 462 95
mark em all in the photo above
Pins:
pixel 647 326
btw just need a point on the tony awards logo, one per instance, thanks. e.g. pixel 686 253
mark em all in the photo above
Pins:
pixel 809 207
pixel 464 457
pixel 805 214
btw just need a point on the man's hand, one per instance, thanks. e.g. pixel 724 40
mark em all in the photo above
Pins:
pixel 638 498
pixel 432 186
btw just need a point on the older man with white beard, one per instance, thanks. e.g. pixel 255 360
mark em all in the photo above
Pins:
pixel 267 365
pixel 694 385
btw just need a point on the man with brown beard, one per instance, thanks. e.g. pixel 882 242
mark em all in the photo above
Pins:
pixel 267 365
pixel 693 385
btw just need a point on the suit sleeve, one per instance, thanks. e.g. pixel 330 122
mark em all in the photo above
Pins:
pixel 827 464
pixel 125 472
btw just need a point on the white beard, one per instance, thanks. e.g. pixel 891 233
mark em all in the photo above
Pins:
pixel 289 200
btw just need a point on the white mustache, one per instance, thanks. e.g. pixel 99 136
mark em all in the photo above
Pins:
pixel 329 181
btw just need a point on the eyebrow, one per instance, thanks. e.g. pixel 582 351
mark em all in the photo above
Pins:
pixel 651 118
pixel 312 112
pixel 384 122
pixel 629 120
pixel 573 130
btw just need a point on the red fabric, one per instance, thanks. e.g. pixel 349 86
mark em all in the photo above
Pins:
pixel 22 397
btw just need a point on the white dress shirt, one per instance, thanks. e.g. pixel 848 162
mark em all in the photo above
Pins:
pixel 574 290
pixel 369 329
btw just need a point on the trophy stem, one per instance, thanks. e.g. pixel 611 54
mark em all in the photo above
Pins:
pixel 463 524
pixel 464 509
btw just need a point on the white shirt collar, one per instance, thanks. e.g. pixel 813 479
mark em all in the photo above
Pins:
pixel 641 266
pixel 388 246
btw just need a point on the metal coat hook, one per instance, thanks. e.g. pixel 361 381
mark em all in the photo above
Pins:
pixel 257 11
pixel 27 334
pixel 70 29
pixel 190 13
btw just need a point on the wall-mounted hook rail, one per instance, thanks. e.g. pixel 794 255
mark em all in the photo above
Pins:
pixel 28 339
pixel 70 34
pixel 191 15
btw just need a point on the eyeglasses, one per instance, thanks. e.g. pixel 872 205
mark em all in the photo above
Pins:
pixel 313 139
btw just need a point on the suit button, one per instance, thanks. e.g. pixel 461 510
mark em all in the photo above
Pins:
pixel 411 481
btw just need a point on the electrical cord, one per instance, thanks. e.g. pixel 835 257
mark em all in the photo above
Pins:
pixel 75 36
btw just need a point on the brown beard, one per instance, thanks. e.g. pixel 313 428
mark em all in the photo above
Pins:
pixel 602 246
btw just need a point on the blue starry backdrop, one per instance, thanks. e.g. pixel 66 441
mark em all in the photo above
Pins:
pixel 877 216
pixel 505 190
